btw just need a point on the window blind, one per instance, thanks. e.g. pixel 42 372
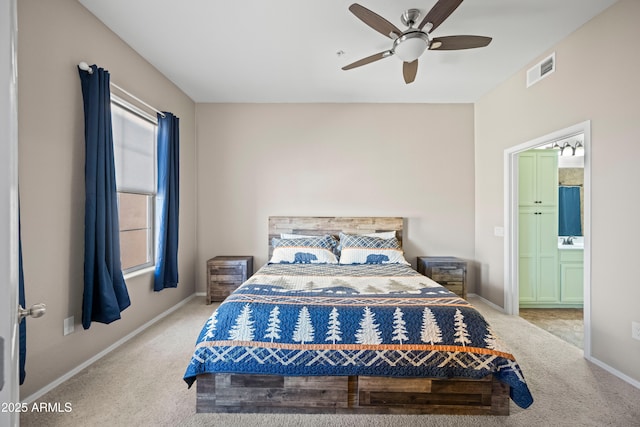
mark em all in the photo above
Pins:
pixel 134 143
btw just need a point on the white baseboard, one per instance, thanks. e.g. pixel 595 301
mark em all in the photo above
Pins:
pixel 115 345
pixel 591 359
pixel 486 301
pixel 613 371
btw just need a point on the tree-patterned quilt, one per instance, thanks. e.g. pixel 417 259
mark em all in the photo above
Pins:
pixel 330 319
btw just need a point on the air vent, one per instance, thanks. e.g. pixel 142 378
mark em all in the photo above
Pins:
pixel 541 70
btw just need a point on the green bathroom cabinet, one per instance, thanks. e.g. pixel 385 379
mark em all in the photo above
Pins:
pixel 538 228
pixel 538 178
pixel 572 276
pixel 538 256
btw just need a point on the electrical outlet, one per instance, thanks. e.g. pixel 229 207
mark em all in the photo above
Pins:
pixel 68 325
pixel 635 330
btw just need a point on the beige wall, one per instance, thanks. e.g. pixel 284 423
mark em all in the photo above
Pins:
pixel 256 160
pixel 596 79
pixel 53 36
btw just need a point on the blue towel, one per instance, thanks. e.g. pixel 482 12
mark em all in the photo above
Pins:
pixel 569 223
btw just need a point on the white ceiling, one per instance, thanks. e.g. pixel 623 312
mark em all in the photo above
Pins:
pixel 286 50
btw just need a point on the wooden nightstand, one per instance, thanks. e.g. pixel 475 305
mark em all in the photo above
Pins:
pixel 225 274
pixel 450 272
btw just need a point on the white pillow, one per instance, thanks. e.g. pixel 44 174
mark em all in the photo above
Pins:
pixel 304 250
pixel 302 255
pixel 372 256
pixel 362 249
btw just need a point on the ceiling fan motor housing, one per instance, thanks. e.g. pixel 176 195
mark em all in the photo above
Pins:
pixel 410 17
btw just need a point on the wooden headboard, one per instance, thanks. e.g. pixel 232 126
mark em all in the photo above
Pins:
pixel 321 225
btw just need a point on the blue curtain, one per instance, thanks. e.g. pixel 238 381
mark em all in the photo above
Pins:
pixel 105 291
pixel 569 223
pixel 167 202
pixel 21 298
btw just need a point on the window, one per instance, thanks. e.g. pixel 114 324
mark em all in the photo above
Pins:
pixel 134 143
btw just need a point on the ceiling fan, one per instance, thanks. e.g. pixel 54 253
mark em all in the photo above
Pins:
pixel 410 44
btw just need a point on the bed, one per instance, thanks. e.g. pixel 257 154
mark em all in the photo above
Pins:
pixel 339 322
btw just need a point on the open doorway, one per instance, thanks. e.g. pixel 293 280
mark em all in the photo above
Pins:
pixel 521 265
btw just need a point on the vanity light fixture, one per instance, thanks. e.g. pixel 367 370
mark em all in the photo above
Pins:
pixel 567 148
pixel 578 149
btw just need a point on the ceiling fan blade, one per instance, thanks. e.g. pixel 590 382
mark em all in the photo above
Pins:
pixel 375 21
pixel 439 12
pixel 458 42
pixel 409 71
pixel 368 60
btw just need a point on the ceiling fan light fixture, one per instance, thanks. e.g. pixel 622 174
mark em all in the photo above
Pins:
pixel 411 45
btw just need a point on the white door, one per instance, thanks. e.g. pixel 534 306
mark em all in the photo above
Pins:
pixel 9 393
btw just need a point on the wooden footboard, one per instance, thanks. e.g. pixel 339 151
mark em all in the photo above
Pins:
pixel 238 393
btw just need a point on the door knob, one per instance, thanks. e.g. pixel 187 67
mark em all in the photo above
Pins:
pixel 35 311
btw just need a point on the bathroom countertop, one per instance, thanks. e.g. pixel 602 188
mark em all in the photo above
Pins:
pixel 578 243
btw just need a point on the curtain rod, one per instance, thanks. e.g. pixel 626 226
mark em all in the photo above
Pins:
pixel 84 66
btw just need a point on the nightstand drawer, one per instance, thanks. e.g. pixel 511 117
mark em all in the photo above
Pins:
pixel 457 289
pixel 450 272
pixel 225 274
pixel 221 290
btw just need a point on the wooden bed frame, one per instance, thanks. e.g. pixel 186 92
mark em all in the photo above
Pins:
pixel 245 393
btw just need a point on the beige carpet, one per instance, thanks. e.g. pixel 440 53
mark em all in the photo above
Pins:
pixel 140 384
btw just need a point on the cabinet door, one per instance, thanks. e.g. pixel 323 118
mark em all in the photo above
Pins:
pixel 547 236
pixel 547 178
pixel 527 179
pixel 527 274
pixel 538 178
pixel 548 289
pixel 571 282
pixel 547 242
pixel 527 256
pixel 538 256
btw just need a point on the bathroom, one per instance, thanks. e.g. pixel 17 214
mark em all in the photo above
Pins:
pixel 570 193
pixel 551 237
